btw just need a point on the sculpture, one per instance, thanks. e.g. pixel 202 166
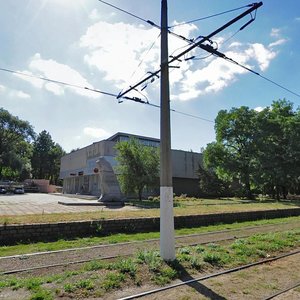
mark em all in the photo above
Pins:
pixel 109 185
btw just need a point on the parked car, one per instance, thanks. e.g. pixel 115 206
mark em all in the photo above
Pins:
pixel 19 190
pixel 3 190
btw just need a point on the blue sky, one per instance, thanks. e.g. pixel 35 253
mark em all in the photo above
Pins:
pixel 87 43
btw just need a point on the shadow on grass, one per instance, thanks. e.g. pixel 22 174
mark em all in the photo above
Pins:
pixel 196 285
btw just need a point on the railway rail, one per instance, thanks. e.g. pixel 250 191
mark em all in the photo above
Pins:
pixel 65 257
pixel 283 291
pixel 213 275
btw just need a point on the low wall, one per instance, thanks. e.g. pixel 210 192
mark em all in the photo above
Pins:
pixel 12 234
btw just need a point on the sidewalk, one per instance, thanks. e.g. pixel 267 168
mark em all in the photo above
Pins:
pixel 28 204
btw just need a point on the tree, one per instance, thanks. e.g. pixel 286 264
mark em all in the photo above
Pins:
pixel 233 153
pixel 15 148
pixel 278 149
pixel 46 158
pixel 210 184
pixel 260 149
pixel 138 166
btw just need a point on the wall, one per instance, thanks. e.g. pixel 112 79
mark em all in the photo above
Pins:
pixel 12 234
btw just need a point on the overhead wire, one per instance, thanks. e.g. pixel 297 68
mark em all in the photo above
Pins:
pixel 222 55
pixel 58 82
pixel 135 99
pixel 123 10
pixel 192 42
pixel 142 60
pixel 211 16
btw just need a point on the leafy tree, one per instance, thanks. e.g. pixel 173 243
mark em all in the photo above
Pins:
pixel 233 153
pixel 260 149
pixel 210 184
pixel 15 148
pixel 278 149
pixel 138 166
pixel 46 158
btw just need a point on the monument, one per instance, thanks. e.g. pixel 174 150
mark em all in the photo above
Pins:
pixel 109 185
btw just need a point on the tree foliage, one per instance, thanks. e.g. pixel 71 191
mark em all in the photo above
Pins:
pixel 22 155
pixel 210 184
pixel 259 149
pixel 46 157
pixel 15 148
pixel 138 166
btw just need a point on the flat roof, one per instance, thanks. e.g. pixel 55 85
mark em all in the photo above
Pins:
pixel 113 137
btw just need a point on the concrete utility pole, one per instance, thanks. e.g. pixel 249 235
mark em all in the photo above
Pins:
pixel 167 238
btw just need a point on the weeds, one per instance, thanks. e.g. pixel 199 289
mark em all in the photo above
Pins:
pixel 113 281
pixel 42 294
pixel 97 277
pixel 125 266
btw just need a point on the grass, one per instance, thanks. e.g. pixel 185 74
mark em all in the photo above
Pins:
pixel 96 278
pixel 184 206
pixel 119 238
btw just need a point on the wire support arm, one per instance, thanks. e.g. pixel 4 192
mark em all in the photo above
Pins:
pixel 254 7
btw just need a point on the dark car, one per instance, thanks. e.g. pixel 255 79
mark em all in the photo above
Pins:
pixel 19 190
pixel 3 190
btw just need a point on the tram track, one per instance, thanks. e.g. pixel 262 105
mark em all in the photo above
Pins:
pixel 214 275
pixel 36 261
pixel 283 291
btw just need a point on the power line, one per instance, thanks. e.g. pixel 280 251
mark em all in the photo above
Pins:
pixel 58 82
pixel 211 16
pixel 222 55
pixel 135 99
pixel 194 45
pixel 199 44
pixel 123 10
pixel 143 58
pixel 192 116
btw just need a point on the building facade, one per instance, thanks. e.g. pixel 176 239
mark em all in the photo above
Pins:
pixel 80 175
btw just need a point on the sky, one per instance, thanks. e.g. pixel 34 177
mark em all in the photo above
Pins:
pixel 90 44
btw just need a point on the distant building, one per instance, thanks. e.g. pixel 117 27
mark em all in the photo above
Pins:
pixel 79 173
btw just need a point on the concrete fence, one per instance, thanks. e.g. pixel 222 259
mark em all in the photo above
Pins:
pixel 12 234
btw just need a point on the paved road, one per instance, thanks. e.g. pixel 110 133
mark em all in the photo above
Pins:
pixel 27 204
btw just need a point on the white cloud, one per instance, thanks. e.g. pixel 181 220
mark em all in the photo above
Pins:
pixel 2 88
pixel 120 50
pixel 14 93
pixel 98 133
pixel 117 49
pixel 38 83
pixel 218 73
pixel 54 88
pixel 22 95
pixel 94 15
pixel 278 43
pixel 56 71
pixel 275 32
pixel 261 54
pixel 259 108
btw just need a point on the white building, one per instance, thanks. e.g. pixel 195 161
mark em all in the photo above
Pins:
pixel 79 173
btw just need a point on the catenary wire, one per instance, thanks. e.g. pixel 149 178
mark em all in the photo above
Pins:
pixel 143 58
pixel 221 55
pixel 263 77
pixel 123 10
pixel 194 44
pixel 135 99
pixel 58 82
pixel 211 16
